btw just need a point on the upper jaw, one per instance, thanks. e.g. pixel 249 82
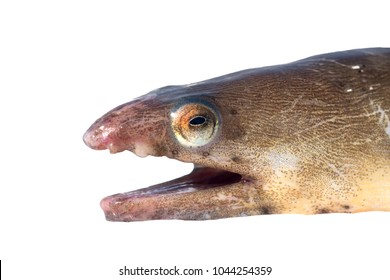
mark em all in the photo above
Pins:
pixel 132 126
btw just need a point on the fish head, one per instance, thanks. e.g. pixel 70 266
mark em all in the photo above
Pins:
pixel 190 124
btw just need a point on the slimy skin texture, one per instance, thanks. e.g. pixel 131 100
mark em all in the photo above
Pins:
pixel 308 137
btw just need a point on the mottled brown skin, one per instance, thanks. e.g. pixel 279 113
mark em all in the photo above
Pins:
pixel 312 136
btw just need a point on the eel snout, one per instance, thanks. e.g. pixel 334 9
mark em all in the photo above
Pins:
pixel 132 126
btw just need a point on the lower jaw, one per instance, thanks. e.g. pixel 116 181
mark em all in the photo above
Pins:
pixel 187 198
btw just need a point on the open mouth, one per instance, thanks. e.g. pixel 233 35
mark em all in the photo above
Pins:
pixel 200 179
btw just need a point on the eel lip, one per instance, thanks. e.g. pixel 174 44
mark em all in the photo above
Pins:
pixel 142 204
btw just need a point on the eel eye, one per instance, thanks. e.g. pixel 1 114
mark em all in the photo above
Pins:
pixel 194 124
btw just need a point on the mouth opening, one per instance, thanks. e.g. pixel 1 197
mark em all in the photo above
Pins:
pixel 200 178
pixel 141 204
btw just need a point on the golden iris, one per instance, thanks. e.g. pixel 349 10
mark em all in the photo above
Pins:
pixel 194 124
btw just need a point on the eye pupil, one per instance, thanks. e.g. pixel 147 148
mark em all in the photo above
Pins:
pixel 198 120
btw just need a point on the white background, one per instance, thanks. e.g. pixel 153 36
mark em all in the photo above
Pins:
pixel 65 63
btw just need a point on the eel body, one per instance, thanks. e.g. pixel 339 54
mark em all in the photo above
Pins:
pixel 312 136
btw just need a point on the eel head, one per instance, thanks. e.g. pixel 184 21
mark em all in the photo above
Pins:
pixel 187 124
